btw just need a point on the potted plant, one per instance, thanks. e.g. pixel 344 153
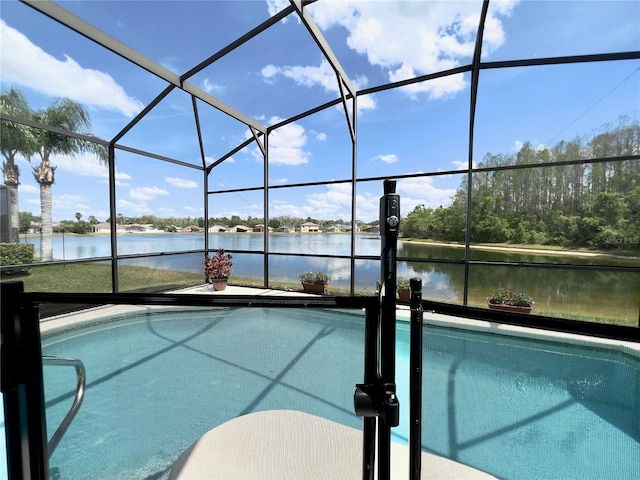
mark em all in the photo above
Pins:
pixel 509 300
pixel 404 290
pixel 217 268
pixel 314 282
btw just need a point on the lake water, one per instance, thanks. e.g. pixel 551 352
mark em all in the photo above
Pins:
pixel 554 290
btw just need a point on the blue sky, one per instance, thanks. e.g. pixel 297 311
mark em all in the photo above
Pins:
pixel 281 73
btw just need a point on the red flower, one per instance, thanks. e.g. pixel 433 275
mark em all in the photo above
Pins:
pixel 218 265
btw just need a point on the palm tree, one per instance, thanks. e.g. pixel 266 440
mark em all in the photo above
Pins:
pixel 68 115
pixel 15 139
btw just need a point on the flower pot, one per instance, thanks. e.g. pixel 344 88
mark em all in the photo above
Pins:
pixel 315 287
pixel 404 296
pixel 218 284
pixel 508 308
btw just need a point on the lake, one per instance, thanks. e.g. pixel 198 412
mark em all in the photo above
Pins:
pixel 554 290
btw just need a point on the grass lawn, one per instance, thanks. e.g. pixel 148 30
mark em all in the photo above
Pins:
pixel 96 278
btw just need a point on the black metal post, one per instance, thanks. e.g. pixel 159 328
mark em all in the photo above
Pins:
pixel 389 227
pixel 415 381
pixel 370 378
pixel 22 387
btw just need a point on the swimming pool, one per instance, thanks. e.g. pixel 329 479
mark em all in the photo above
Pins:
pixel 159 379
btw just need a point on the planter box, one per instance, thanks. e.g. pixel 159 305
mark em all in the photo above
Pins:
pixel 218 284
pixel 404 296
pixel 315 287
pixel 508 308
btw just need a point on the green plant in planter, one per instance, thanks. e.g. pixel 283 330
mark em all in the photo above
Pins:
pixel 318 278
pixel 404 284
pixel 505 296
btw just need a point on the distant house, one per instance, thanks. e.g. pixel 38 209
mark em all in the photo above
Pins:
pixel 371 228
pixel 330 229
pixel 309 227
pixel 240 229
pixel 102 227
pixel 260 228
pixel 138 228
pixel 218 228
pixel 105 227
pixel 286 229
pixel 192 229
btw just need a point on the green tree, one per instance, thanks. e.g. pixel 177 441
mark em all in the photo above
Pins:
pixel 26 219
pixel 15 139
pixel 67 115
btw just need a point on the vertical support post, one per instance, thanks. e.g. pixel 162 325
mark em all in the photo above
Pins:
pixel 415 380
pixel 22 387
pixel 389 228
pixel 113 224
pixel 376 399
pixel 370 377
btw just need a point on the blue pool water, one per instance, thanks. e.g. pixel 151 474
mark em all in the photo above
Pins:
pixel 516 408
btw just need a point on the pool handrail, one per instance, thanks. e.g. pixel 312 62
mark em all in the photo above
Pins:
pixel 81 382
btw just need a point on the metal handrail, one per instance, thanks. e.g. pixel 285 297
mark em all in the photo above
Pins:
pixel 81 377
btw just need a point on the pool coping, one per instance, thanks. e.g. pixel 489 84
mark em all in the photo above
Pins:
pixel 70 321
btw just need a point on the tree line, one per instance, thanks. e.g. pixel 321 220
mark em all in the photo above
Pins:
pixel 579 205
pixel 27 220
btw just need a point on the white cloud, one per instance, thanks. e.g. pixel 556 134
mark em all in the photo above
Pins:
pixel 193 210
pixel 269 72
pixel 463 164
pixel 389 158
pixel 211 87
pixel 86 165
pixel 407 39
pixel 422 191
pixel 181 182
pixel 23 63
pixel 28 188
pixel 536 145
pixel 321 136
pixel 146 193
pixel 286 145
pixel 332 203
pixel 167 212
pixel 276 6
pixel 312 76
pixel 70 201
pixel 133 209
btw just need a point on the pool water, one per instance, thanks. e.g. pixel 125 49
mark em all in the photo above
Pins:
pixel 522 409
pixel 515 408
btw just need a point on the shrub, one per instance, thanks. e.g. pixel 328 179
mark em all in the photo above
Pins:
pixel 509 297
pixel 16 254
pixel 318 278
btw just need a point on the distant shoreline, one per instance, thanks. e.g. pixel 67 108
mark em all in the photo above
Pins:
pixel 571 253
pixel 541 251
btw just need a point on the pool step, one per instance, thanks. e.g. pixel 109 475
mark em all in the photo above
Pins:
pixel 288 444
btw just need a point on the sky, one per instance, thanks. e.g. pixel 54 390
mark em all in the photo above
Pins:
pixel 281 73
